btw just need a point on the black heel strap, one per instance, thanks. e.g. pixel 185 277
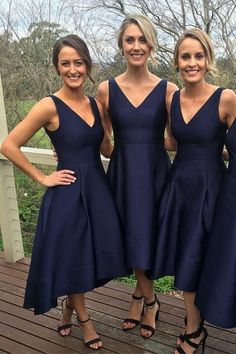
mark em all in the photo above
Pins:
pixel 66 300
pixel 187 338
pixel 180 350
pixel 137 297
pixel 195 334
pixel 82 322
pixel 150 304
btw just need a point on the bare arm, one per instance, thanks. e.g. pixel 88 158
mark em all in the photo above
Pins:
pixel 102 97
pixel 227 111
pixel 41 115
pixel 170 143
pixel 227 107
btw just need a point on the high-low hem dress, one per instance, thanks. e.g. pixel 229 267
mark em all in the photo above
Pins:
pixel 216 295
pixel 190 196
pixel 138 167
pixel 78 243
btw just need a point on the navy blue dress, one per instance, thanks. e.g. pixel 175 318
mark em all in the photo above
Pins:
pixel 216 296
pixel 78 244
pixel 138 167
pixel 189 199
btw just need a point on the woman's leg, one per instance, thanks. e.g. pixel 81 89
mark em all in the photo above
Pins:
pixel 135 310
pixel 193 324
pixel 90 335
pixel 152 304
pixel 65 323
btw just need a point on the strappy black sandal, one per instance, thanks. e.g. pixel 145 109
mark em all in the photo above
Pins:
pixel 64 306
pixel 185 323
pixel 92 341
pixel 132 320
pixel 187 338
pixel 147 327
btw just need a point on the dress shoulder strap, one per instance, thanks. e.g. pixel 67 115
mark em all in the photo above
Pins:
pixel 94 107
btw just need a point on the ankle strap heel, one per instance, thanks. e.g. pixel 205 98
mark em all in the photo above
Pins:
pixel 188 336
pixel 150 305
pixel 133 321
pixel 89 343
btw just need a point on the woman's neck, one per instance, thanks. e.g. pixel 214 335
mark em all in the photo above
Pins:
pixel 137 73
pixel 196 89
pixel 71 94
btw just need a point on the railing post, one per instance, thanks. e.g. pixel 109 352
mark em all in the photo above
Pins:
pixel 9 215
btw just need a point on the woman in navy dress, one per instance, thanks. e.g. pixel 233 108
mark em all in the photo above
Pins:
pixel 135 106
pixel 198 113
pixel 216 295
pixel 78 244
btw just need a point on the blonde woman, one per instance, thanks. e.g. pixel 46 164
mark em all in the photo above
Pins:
pixel 199 114
pixel 135 109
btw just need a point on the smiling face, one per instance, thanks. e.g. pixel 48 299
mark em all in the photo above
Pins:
pixel 134 46
pixel 192 62
pixel 71 67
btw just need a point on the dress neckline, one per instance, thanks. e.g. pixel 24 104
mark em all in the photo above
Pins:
pixel 198 110
pixel 79 116
pixel 145 98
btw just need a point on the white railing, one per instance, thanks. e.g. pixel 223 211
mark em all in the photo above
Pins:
pixel 9 214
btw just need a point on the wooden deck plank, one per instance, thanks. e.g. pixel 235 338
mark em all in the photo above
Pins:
pixel 23 332
pixel 11 346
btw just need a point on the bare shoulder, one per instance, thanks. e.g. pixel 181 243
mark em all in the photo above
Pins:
pixel 43 110
pixel 171 88
pixel 103 88
pixel 228 96
pixel 227 107
pixel 46 105
pixel 103 94
pixel 170 93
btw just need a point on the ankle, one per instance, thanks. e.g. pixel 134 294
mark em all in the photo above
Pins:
pixel 83 319
pixel 193 326
pixel 137 297
pixel 191 329
pixel 151 302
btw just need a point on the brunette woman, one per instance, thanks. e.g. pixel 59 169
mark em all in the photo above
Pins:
pixel 78 244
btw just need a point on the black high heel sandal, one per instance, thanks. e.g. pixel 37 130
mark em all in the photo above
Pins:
pixel 185 323
pixel 187 338
pixel 92 341
pixel 147 327
pixel 132 320
pixel 64 305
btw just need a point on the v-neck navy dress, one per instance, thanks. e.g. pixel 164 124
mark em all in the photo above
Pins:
pixel 216 296
pixel 138 167
pixel 78 243
pixel 189 199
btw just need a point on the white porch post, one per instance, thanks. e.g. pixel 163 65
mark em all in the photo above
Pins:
pixel 9 215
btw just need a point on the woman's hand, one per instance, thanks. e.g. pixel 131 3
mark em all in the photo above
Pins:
pixel 62 177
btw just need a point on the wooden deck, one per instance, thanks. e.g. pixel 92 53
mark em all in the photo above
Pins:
pixel 23 333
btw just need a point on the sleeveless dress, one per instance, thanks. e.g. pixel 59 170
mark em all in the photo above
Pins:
pixel 138 167
pixel 216 296
pixel 189 199
pixel 78 244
